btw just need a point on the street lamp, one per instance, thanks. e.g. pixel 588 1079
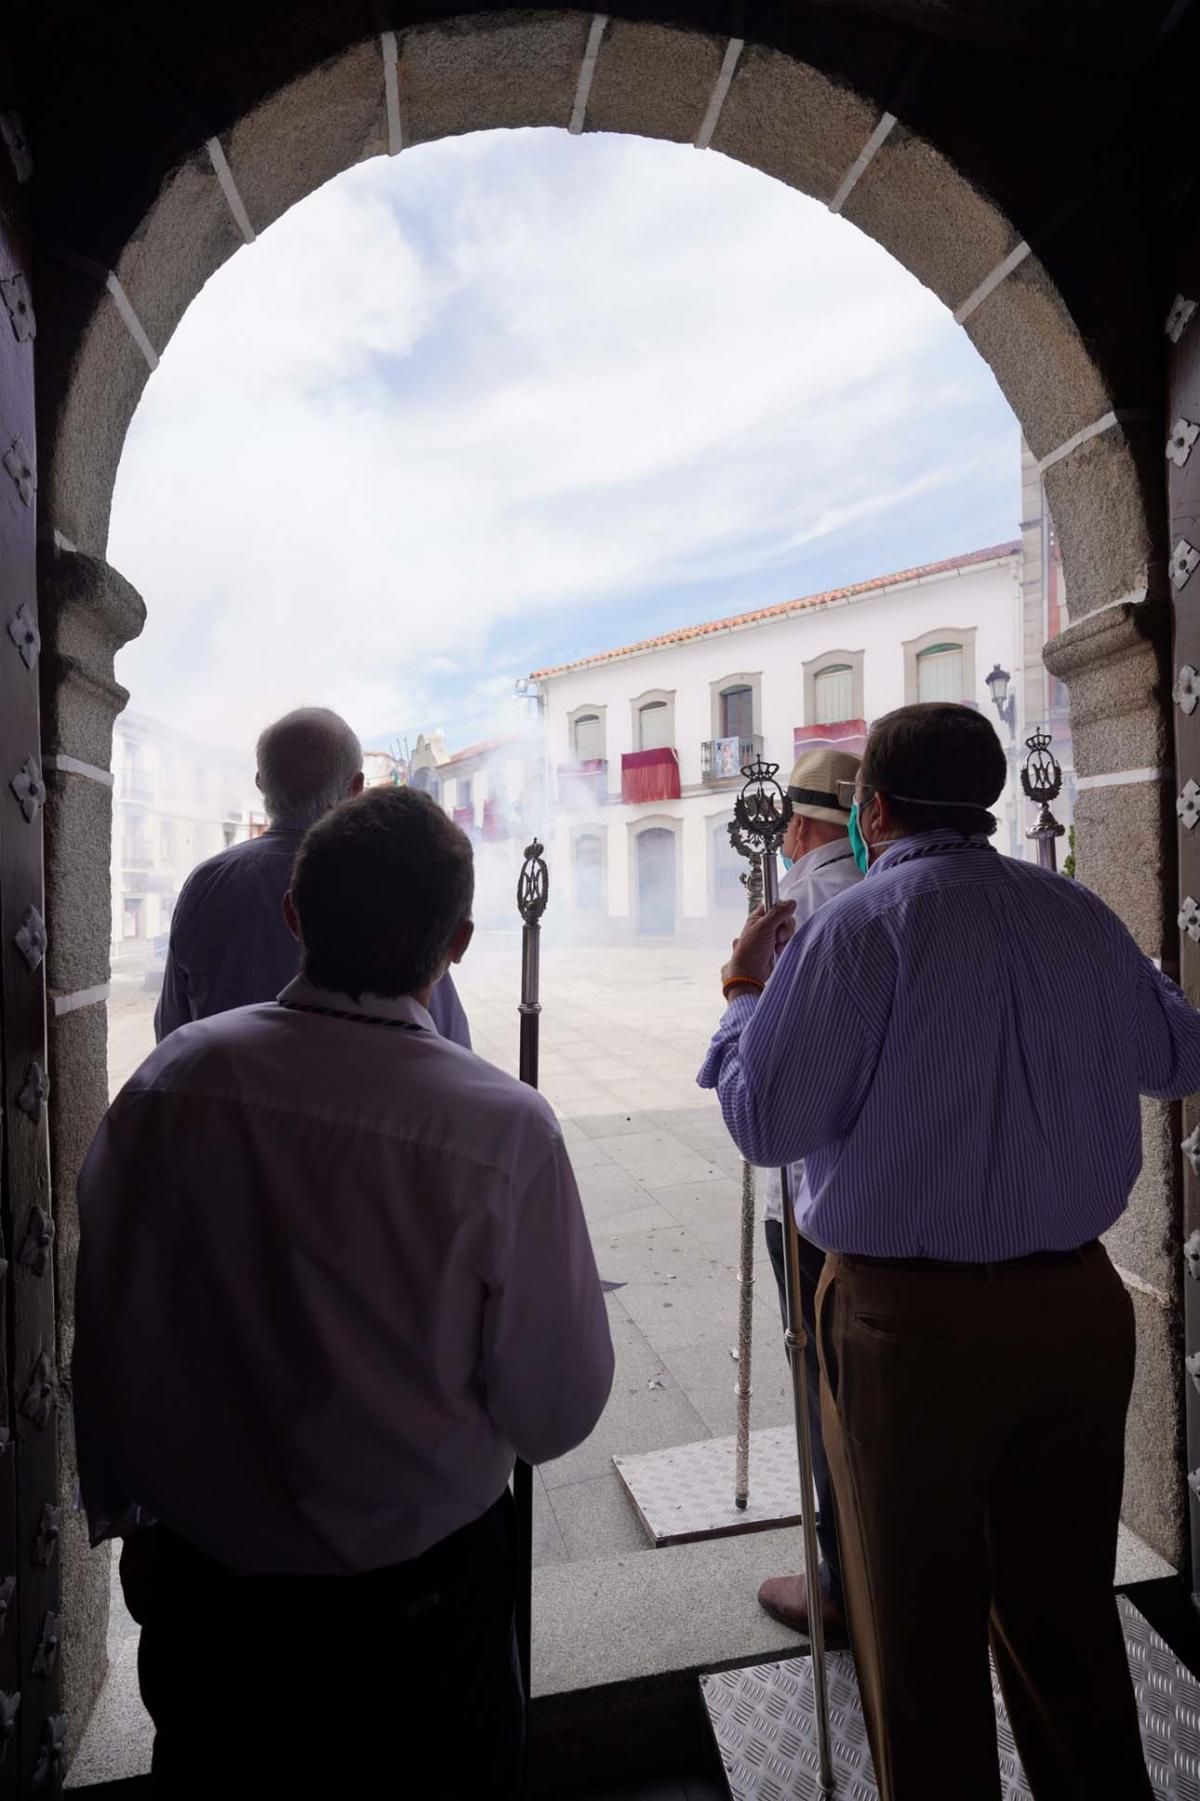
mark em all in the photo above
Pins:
pixel 1004 702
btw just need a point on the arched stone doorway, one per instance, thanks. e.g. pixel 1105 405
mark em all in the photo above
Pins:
pixel 828 112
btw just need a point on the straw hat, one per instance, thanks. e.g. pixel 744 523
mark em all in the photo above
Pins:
pixel 813 787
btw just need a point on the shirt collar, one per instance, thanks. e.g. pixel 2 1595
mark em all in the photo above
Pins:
pixel 373 1006
pixel 924 844
pixel 833 852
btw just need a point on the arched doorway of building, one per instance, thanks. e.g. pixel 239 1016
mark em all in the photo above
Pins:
pixel 299 107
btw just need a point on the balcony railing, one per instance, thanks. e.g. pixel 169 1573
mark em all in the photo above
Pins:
pixel 136 787
pixel 583 784
pixel 138 856
pixel 723 759
pixel 649 775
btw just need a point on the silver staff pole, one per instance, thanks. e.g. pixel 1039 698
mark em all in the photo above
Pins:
pixel 745 1326
pixel 533 890
pixel 762 810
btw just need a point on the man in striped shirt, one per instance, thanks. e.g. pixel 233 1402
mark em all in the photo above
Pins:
pixel 956 1049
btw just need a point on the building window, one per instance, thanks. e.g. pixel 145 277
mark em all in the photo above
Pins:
pixel 940 665
pixel 589 873
pixel 463 796
pixel 589 738
pixel 729 891
pixel 737 713
pixel 833 695
pixel 940 673
pixel 654 726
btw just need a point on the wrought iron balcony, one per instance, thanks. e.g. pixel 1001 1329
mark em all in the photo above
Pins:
pixel 722 759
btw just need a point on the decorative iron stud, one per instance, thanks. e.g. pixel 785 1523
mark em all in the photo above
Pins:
pixel 1188 805
pixel 1177 319
pixel 8 1720
pixel 1194 1483
pixel 17 145
pixel 48 1769
pixel 23 630
pixel 46 1655
pixel 18 461
pixel 1179 444
pixel 46 1542
pixel 31 938
pixel 29 789
pixel 39 1400
pixel 35 1092
pixel 1186 692
pixel 1192 1365
pixel 1191 1150
pixel 16 296
pixel 39 1241
pixel 1184 558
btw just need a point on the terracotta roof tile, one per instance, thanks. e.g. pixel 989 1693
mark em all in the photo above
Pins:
pixel 782 609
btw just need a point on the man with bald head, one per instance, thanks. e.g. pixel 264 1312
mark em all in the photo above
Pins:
pixel 230 944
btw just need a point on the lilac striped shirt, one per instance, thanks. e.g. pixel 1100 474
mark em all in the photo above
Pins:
pixel 956 1048
pixel 230 945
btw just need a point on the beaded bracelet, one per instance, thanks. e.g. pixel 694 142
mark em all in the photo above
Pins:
pixel 751 982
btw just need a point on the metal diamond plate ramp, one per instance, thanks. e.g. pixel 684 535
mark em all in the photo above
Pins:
pixel 762 1720
pixel 686 1493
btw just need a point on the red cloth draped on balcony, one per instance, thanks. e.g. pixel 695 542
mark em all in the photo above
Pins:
pixel 465 817
pixel 493 821
pixel 843 734
pixel 649 775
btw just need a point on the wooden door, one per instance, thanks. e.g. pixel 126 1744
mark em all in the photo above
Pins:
pixel 656 882
pixel 31 1727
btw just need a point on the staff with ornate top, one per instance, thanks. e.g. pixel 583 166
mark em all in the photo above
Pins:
pixel 745 1276
pixel 1041 778
pixel 761 814
pixel 533 891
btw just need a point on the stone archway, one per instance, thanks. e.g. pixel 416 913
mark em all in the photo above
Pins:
pixel 1093 432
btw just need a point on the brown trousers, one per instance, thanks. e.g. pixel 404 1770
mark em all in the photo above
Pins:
pixel 974 1423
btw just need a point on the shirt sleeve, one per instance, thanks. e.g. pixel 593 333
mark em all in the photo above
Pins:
pixel 1167 1038
pixel 548 1355
pixel 174 1008
pixel 792 1067
pixel 448 1013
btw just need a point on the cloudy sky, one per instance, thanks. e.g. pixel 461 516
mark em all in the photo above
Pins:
pixel 508 399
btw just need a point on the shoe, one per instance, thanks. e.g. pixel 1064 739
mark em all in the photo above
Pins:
pixel 785 1598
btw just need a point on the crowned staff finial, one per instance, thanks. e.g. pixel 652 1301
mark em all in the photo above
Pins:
pixel 533 887
pixel 760 812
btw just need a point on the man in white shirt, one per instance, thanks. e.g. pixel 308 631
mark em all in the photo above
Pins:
pixel 819 866
pixel 334 1276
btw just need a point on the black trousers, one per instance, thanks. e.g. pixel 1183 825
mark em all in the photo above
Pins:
pixel 812 1262
pixel 400 1682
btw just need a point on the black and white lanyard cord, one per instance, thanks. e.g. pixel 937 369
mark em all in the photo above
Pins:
pixel 358 1019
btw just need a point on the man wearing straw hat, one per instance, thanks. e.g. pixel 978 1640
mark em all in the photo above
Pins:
pixel 819 865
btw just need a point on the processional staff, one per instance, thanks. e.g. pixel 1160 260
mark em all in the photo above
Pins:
pixel 1041 778
pixel 745 1327
pixel 761 811
pixel 533 891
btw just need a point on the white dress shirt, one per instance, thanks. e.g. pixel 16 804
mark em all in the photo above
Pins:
pixel 812 880
pixel 333 1276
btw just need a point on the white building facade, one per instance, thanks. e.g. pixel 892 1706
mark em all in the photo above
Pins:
pixel 643 744
pixel 175 802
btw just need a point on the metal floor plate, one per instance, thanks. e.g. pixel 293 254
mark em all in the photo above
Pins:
pixel 762 1719
pixel 686 1493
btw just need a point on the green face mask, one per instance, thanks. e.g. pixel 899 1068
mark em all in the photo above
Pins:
pixel 858 843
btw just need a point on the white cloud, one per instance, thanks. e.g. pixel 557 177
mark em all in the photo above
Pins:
pixel 500 376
